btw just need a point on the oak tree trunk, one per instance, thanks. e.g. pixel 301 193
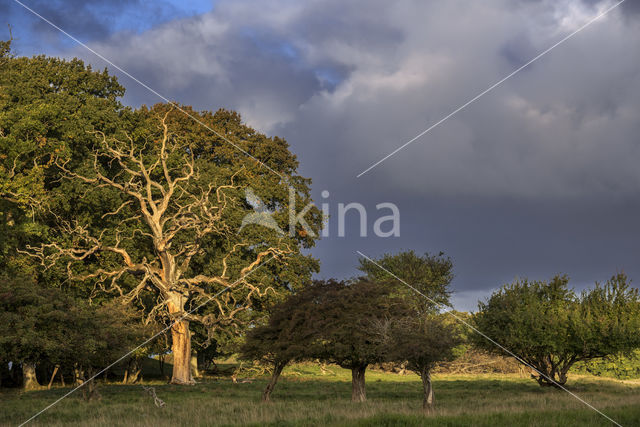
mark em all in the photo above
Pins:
pixel 29 378
pixel 181 343
pixel 358 393
pixel 277 370
pixel 181 349
pixel 427 390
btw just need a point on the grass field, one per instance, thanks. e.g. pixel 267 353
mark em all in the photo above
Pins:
pixel 307 397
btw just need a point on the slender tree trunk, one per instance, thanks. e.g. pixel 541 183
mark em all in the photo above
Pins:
pixel 201 361
pixel 277 370
pixel 562 378
pixel 562 375
pixel 134 369
pixel 78 375
pixel 195 373
pixel 29 378
pixel 181 343
pixel 403 369
pixel 90 389
pixel 427 390
pixel 358 392
pixel 55 371
pixel 161 363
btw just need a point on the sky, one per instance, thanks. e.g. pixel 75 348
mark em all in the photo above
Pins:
pixel 539 176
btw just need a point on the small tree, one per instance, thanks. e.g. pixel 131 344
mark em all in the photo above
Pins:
pixel 551 328
pixel 423 342
pixel 348 317
pixel 27 338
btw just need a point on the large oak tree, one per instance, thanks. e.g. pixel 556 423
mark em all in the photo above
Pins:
pixel 159 222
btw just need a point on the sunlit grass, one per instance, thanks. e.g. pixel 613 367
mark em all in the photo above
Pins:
pixel 306 396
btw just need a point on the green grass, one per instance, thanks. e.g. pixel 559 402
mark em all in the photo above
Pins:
pixel 306 397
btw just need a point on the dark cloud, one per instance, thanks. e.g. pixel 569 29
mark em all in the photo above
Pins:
pixel 494 240
pixel 632 6
pixel 518 50
pixel 84 17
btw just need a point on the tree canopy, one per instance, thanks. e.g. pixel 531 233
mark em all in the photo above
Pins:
pixel 430 275
pixel 424 336
pixel 551 328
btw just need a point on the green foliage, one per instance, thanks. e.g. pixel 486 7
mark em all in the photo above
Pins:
pixel 183 232
pixel 551 328
pixel 47 324
pixel 288 335
pixel 620 366
pixel 337 322
pixel 424 342
pixel 47 107
pixel 430 275
pixel 348 319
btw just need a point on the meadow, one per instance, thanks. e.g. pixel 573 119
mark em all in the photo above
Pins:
pixel 308 396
